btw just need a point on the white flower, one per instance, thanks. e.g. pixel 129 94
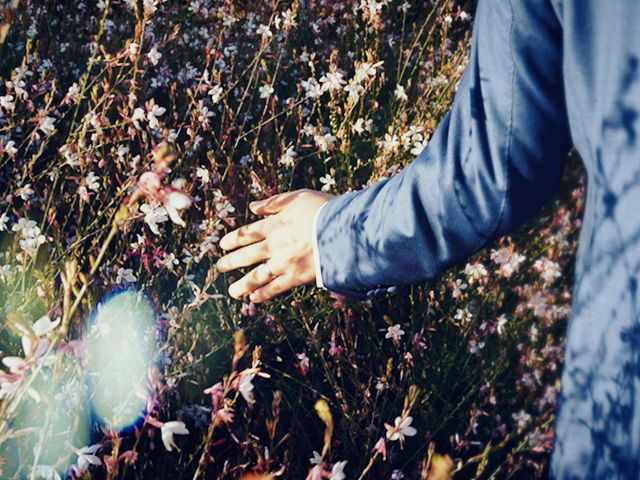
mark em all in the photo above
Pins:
pixel 14 364
pixel 288 19
pixel 502 321
pixel 397 475
pixel 355 91
pixel 71 158
pixel 288 158
pixel 150 6
pixel 133 48
pixel 19 87
pixel 390 142
pixel 475 272
pixel 538 303
pixel 264 31
pixel 400 94
pixel 394 332
pixel 312 88
pixel 152 116
pixel 121 152
pixel 154 55
pixel 73 92
pixel 47 125
pixel 362 125
pixel 169 429
pixel 47 472
pixel 204 176
pixel 327 182
pixel 316 459
pixel 475 346
pixel 169 260
pixel 418 147
pixel 324 142
pixel 548 269
pixel 7 102
pixel 138 115
pixel 464 315
pixel 215 93
pixel 175 201
pixel 402 428
pixel 25 192
pixel 93 182
pixel 245 387
pixel 86 456
pixel 10 147
pixel 125 275
pixel 366 71
pixel 40 328
pixel 332 81
pixel 458 287
pixel 266 91
pixel 337 472
pixel 30 236
pixel 153 215
pixel 522 418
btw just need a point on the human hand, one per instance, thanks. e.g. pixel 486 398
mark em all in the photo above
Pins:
pixel 281 242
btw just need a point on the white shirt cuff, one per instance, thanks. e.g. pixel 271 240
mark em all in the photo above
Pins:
pixel 316 253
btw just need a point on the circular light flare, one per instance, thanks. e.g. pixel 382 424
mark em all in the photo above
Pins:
pixel 120 346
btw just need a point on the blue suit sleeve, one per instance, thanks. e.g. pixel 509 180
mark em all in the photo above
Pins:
pixel 494 160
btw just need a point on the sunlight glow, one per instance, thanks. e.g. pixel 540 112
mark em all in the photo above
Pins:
pixel 119 346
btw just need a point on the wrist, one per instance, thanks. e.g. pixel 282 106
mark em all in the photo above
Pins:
pixel 314 243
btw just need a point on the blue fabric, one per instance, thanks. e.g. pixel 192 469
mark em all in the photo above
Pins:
pixel 543 75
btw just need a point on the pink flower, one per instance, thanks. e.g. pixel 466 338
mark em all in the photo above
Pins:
pixel 172 199
pixel 381 447
pixel 149 184
pixel 130 457
pixel 217 393
pixel 401 429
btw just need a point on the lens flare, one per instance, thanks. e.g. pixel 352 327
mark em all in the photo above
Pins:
pixel 120 345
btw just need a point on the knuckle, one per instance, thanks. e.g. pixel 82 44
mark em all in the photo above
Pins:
pixel 265 246
pixel 242 232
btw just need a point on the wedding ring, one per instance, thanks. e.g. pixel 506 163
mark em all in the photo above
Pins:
pixel 269 271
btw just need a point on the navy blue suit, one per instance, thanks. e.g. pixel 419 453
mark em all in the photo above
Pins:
pixel 543 75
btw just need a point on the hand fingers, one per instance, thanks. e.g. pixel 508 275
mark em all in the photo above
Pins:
pixel 255 279
pixel 250 255
pixel 274 288
pixel 273 204
pixel 254 232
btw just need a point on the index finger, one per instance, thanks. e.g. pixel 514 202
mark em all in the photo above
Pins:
pixel 246 235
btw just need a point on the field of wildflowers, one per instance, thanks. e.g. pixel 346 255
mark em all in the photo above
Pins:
pixel 133 135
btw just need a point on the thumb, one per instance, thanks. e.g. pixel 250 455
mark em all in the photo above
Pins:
pixel 271 205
